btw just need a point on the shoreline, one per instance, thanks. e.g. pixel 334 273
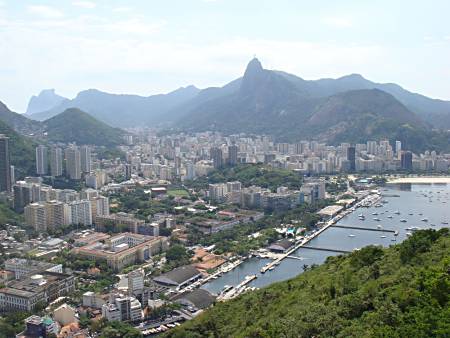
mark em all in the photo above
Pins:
pixel 420 180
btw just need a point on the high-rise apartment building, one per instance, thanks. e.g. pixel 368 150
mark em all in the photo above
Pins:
pixel 81 212
pixel 5 166
pixel 217 157
pixel 85 156
pixel 41 160
pixel 56 161
pixel 351 157
pixel 233 154
pixel 73 163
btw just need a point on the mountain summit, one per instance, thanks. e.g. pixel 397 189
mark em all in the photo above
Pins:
pixel 47 99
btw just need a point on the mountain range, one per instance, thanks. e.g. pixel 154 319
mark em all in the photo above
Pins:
pixel 72 125
pixel 118 109
pixel 350 108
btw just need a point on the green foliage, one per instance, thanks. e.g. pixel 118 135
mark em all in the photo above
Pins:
pixel 251 174
pixel 177 255
pixel 22 150
pixel 8 215
pixel 12 323
pixel 117 329
pixel 74 125
pixel 369 293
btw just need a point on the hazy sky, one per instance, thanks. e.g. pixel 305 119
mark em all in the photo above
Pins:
pixel 152 46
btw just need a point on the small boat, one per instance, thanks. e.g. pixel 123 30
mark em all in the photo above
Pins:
pixel 433 225
pixel 377 219
pixel 415 228
pixel 424 219
pixel 410 214
pixel 396 233
pixel 393 239
pixel 379 226
pixel 351 235
pixel 403 220
pixel 389 216
pixel 444 222
pixel 383 236
pixel 374 213
pixel 397 212
pixel 408 234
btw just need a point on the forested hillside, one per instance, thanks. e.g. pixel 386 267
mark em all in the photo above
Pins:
pixel 402 291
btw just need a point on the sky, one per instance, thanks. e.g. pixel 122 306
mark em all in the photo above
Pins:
pixel 156 46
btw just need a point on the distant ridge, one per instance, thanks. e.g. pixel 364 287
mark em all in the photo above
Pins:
pixel 47 99
pixel 257 99
pixel 123 110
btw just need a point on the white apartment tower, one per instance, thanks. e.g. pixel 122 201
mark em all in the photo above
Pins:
pixel 41 160
pixel 73 163
pixel 56 162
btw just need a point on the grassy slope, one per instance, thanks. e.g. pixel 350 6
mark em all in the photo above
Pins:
pixel 402 291
pixel 74 125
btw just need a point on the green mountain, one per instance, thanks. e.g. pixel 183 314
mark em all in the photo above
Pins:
pixel 74 125
pixel 402 291
pixel 22 151
pixel 18 122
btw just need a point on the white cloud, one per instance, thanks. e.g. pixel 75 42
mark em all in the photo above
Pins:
pixel 122 9
pixel 84 4
pixel 47 12
pixel 337 22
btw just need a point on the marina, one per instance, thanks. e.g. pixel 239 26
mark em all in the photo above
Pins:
pixel 343 235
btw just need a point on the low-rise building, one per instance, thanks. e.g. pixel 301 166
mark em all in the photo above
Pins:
pixel 40 289
pixel 123 249
pixel 179 277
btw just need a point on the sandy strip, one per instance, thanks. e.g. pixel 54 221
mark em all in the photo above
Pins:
pixel 420 180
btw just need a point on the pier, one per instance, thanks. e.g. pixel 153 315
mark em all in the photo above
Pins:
pixel 362 228
pixel 325 249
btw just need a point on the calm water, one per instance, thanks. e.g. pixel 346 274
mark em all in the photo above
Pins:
pixel 432 201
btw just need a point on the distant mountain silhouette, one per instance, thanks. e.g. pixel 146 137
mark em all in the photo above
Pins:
pixel 47 99
pixel 263 101
pixel 123 110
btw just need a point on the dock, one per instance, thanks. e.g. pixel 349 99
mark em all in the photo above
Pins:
pixel 325 249
pixel 362 228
